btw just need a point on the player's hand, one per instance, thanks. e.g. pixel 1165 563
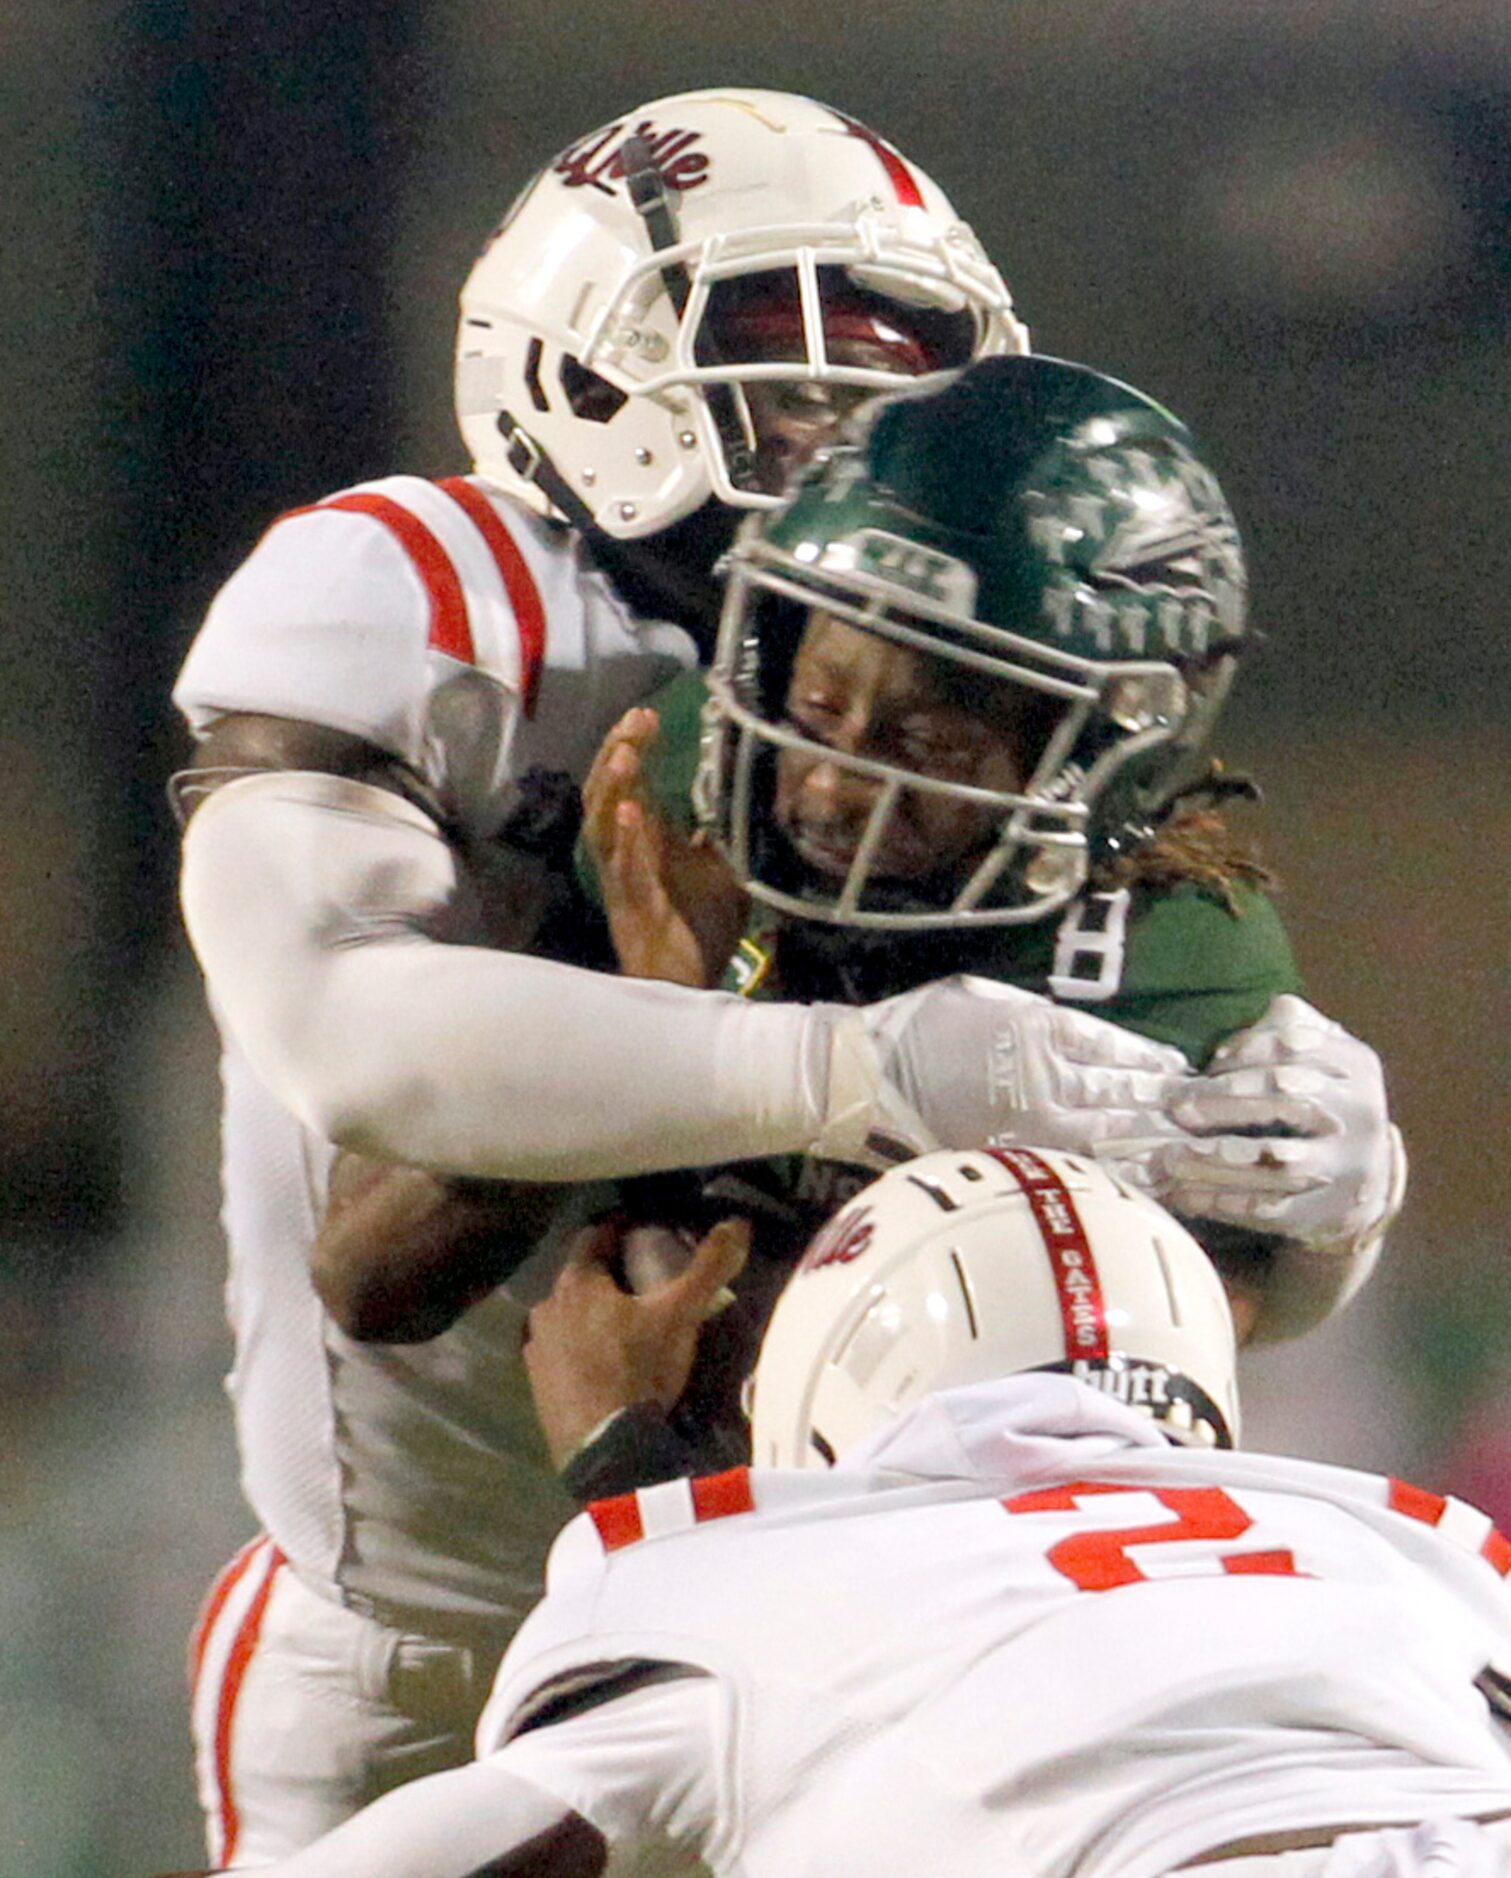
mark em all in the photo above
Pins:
pixel 593 1348
pixel 674 909
pixel 985 1063
pixel 1291 1131
pixel 1288 1132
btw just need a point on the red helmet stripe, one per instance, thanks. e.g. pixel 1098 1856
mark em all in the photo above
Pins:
pixel 1078 1284
pixel 904 182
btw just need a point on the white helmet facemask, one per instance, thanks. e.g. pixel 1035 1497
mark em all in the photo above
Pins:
pixel 963 1267
pixel 659 269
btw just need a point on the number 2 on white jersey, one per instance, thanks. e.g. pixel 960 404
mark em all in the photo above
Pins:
pixel 1098 1560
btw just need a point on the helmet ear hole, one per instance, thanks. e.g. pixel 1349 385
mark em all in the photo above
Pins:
pixel 590 397
pixel 532 375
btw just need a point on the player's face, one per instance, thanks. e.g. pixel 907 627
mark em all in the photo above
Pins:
pixel 795 417
pixel 863 696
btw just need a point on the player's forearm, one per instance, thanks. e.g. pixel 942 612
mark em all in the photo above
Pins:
pixel 403 1252
pixel 307 899
pixel 476 1822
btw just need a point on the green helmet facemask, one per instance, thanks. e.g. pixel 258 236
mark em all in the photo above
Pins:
pixel 1053 573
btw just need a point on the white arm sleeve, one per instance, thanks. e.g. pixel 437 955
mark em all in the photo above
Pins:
pixel 641 1764
pixel 306 897
pixel 451 1825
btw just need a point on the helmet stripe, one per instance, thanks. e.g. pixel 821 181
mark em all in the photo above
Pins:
pixel 1073 1266
pixel 904 182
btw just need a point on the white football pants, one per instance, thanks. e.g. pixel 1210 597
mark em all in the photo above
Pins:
pixel 303 1712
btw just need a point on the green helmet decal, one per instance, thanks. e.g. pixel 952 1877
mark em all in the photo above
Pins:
pixel 1032 528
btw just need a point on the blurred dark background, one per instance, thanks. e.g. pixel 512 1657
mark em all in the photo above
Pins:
pixel 232 238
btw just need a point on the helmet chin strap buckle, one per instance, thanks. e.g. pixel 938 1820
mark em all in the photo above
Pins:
pixel 520 447
pixel 531 464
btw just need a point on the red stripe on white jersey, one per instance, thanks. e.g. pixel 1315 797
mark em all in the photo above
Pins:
pixel 1497 1551
pixel 519 583
pixel 717 1496
pixel 904 182
pixel 1456 1518
pixel 618 1520
pixel 671 1507
pixel 1417 1502
pixel 1078 1284
pixel 450 629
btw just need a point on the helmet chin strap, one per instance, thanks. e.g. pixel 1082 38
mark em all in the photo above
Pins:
pixel 648 196
pixel 653 576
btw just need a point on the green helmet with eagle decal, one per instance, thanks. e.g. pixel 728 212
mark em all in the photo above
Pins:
pixel 974 656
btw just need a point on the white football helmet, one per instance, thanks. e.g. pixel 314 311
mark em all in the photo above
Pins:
pixel 961 1267
pixel 599 366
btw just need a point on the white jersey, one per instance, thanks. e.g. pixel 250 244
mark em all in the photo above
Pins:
pixel 1020 1633
pixel 468 640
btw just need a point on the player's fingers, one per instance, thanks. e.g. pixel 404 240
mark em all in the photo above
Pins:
pixel 636 729
pixel 1143 1093
pixel 640 862
pixel 1267 1106
pixel 1098 1044
pixel 718 1258
pixel 603 795
pixel 593 1247
pixel 617 769
pixel 1278 1168
pixel 1289 1030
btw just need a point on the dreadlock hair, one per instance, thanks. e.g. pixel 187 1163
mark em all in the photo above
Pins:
pixel 1190 841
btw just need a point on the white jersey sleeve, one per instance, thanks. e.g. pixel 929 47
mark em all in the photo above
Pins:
pixel 446 628
pixel 637 1767
pixel 327 621
pixel 645 1764
pixel 472 643
pixel 451 1825
pixel 306 898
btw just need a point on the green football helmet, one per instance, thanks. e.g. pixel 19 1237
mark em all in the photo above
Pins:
pixel 1048 563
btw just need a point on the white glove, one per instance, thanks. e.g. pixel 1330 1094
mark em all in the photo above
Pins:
pixel 984 1063
pixel 1289 1133
pixel 867 1121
